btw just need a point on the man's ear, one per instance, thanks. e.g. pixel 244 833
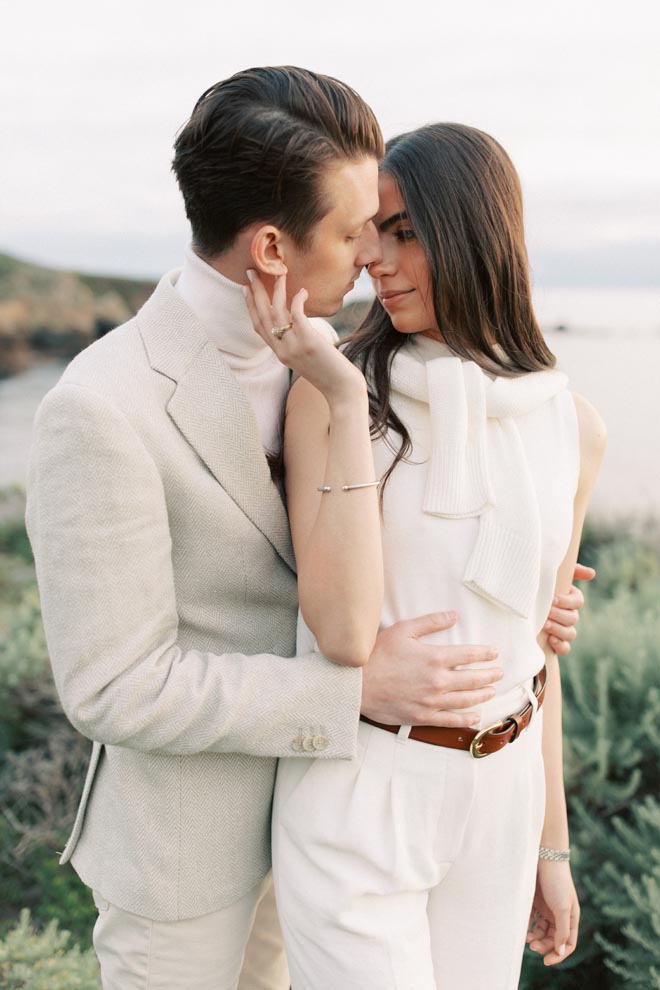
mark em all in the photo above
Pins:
pixel 267 250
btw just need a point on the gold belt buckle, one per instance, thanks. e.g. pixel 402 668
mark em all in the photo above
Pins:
pixel 476 742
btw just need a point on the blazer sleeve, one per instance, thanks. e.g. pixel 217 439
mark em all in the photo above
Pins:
pixel 98 523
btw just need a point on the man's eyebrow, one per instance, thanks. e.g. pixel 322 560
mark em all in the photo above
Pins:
pixel 386 224
pixel 363 223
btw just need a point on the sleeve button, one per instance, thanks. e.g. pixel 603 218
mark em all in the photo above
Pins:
pixel 308 744
pixel 297 744
pixel 320 742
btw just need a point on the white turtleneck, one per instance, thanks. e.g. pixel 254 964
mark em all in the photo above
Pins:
pixel 219 305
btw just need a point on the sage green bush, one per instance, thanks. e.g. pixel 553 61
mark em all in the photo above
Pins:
pixel 611 686
pixel 42 758
pixel 31 960
pixel 611 683
pixel 631 858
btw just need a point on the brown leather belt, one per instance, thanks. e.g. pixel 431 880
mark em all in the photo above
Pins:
pixel 482 742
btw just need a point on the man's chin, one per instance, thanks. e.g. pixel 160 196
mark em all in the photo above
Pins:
pixel 323 308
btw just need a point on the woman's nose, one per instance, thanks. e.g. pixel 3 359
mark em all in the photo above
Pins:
pixel 381 266
pixel 369 253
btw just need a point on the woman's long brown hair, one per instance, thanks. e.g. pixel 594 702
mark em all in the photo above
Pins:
pixel 463 199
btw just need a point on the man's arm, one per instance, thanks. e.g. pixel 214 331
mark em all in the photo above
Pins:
pixel 99 526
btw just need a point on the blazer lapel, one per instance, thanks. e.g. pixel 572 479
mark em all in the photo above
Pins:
pixel 211 411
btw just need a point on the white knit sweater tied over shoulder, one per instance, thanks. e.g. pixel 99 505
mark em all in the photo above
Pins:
pixel 478 465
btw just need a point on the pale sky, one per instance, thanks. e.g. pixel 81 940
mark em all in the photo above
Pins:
pixel 92 94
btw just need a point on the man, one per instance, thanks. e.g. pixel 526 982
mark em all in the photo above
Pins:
pixel 163 553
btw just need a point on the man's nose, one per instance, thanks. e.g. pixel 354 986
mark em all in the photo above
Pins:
pixel 370 252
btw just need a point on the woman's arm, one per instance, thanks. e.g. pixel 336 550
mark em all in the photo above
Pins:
pixel 555 912
pixel 336 534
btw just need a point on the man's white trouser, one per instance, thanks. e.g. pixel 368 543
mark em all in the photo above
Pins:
pixel 236 948
pixel 413 866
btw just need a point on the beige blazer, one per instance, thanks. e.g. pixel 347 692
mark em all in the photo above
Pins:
pixel 169 601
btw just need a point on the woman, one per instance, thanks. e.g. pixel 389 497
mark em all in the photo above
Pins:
pixel 416 865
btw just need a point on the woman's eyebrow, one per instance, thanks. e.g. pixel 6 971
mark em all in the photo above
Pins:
pixel 386 224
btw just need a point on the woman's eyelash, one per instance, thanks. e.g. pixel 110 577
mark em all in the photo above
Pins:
pixel 405 235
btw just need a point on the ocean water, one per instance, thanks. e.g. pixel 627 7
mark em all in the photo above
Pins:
pixel 611 312
pixel 610 351
pixel 592 309
pixel 620 375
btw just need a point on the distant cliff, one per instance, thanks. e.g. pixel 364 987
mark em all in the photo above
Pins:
pixel 45 312
pixel 49 313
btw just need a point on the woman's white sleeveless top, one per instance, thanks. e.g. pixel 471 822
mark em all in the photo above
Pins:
pixel 479 516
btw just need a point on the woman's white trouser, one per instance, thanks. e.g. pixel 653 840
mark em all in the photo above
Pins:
pixel 413 866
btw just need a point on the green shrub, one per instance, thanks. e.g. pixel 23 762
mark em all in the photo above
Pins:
pixel 13 537
pixel 611 687
pixel 14 541
pixel 626 891
pixel 30 960
pixel 39 792
pixel 612 757
pixel 23 651
pixel 43 760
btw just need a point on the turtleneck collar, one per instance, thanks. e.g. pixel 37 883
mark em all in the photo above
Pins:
pixel 219 304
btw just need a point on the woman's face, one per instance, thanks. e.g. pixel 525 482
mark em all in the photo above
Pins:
pixel 401 276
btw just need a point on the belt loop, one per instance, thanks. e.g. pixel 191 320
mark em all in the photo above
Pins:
pixel 403 733
pixel 534 701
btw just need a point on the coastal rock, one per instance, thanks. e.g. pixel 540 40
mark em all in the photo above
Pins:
pixel 56 313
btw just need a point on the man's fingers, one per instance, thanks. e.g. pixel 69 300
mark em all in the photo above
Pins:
pixel 463 681
pixel 564 616
pixel 566 633
pixel 467 699
pixel 424 625
pixel 460 656
pixel 573 599
pixel 451 720
pixel 583 573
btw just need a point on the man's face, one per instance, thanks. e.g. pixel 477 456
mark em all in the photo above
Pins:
pixel 342 243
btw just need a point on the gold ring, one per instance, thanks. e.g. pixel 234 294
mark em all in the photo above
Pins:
pixel 280 331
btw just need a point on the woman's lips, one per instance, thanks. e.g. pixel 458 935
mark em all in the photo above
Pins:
pixel 389 299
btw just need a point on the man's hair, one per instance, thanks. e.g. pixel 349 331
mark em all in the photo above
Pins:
pixel 256 147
